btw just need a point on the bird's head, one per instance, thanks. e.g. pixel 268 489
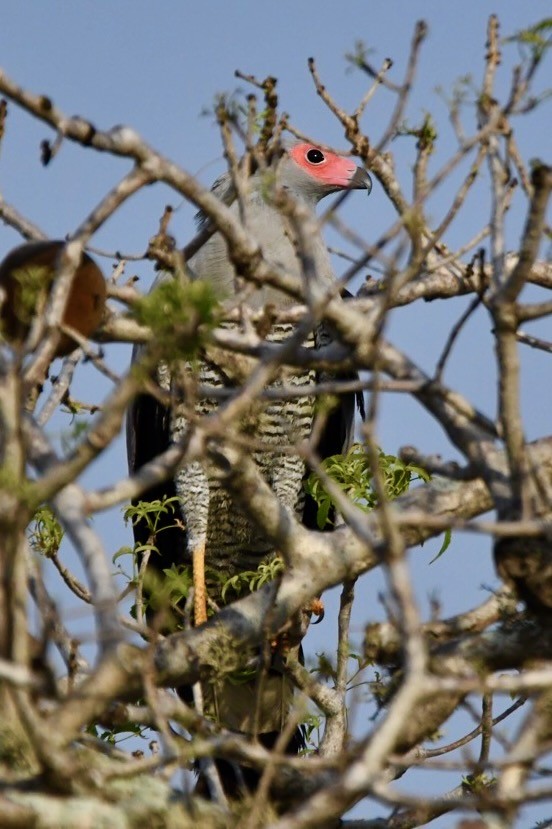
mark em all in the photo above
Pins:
pixel 311 172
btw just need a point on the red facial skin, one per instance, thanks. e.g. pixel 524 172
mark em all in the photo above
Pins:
pixel 333 169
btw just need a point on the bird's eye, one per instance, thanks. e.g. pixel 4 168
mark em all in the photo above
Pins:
pixel 315 156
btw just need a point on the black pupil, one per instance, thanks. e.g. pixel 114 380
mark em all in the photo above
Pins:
pixel 315 156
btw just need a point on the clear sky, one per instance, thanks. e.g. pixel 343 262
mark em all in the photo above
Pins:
pixel 158 66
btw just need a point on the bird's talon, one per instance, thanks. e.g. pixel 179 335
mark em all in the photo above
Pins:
pixel 316 607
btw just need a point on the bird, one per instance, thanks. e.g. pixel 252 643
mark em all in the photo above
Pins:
pixel 211 524
pixel 27 274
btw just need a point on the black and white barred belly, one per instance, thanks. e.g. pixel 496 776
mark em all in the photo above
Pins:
pixel 211 516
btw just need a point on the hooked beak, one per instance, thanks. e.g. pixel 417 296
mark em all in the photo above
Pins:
pixel 360 179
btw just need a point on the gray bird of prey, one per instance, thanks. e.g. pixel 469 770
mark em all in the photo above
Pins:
pixel 213 526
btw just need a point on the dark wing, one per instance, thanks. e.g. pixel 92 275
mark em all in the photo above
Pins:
pixel 338 433
pixel 335 439
pixel 148 435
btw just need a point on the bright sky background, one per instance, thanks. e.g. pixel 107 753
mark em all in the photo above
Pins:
pixel 158 66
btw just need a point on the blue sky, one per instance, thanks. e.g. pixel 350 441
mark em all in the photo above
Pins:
pixel 158 66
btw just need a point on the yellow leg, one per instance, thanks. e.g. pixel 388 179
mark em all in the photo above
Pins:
pixel 200 590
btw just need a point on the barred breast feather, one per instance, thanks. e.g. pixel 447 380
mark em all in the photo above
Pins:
pixel 275 427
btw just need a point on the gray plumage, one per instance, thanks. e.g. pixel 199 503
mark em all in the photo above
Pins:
pixel 213 521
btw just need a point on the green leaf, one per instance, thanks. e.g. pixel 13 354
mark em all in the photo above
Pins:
pixel 123 551
pixel 45 533
pixel 353 474
pixel 447 538
pixel 151 512
pixel 250 580
pixel 179 315
pixel 538 38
